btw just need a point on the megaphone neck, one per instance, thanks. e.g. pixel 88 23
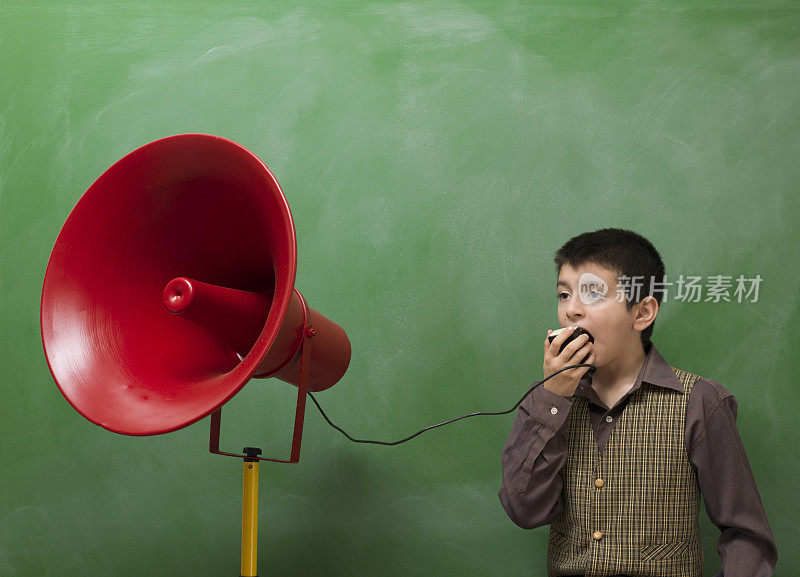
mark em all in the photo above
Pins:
pixel 237 316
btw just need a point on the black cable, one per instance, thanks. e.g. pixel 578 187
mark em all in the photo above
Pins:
pixel 533 386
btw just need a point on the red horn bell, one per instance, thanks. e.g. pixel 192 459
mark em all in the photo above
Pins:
pixel 171 284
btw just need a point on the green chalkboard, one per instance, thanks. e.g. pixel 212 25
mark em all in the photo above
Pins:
pixel 434 154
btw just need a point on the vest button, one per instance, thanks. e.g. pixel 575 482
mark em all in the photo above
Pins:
pixel 597 535
pixel 553 410
pixel 599 483
pixel 609 418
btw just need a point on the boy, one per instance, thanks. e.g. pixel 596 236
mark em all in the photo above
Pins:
pixel 616 461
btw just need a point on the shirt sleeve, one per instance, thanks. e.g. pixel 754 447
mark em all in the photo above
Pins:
pixel 746 545
pixel 532 459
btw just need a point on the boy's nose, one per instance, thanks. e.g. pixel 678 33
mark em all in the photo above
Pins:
pixel 574 308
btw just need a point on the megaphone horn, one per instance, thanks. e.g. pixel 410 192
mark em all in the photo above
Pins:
pixel 171 284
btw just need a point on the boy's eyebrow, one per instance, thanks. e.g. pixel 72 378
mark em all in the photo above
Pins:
pixel 562 283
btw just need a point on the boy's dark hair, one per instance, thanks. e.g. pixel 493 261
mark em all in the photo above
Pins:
pixel 623 251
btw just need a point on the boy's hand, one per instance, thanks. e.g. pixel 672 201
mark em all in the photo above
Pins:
pixel 565 383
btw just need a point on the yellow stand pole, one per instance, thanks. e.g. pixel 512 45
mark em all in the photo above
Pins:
pixel 250 513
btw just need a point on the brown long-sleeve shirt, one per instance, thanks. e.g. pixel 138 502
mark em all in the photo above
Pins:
pixel 536 451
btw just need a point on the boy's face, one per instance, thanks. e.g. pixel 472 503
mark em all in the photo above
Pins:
pixel 588 298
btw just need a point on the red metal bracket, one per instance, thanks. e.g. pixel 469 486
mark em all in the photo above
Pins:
pixel 297 437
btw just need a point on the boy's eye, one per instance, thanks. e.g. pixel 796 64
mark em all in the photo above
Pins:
pixel 592 296
pixel 562 295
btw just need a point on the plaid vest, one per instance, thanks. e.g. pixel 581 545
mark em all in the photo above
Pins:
pixel 633 508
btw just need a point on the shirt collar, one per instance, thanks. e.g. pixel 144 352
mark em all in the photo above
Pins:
pixel 655 371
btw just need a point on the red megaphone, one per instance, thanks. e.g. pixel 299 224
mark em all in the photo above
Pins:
pixel 171 284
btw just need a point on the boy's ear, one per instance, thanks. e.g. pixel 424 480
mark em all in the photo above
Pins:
pixel 646 312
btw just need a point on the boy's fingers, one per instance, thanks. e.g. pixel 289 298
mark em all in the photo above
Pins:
pixel 574 346
pixel 555 346
pixel 548 345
